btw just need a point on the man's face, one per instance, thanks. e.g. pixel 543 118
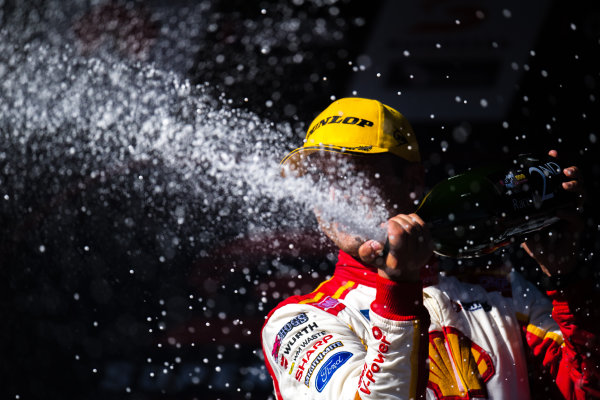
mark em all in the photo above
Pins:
pixel 364 192
pixel 381 178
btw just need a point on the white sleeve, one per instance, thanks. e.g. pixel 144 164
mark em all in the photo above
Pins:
pixel 312 354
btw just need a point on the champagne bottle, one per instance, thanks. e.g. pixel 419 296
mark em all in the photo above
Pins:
pixel 479 211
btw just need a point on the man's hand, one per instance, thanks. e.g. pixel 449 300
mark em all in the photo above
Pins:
pixel 555 248
pixel 410 248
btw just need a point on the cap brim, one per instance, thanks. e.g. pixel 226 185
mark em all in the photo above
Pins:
pixel 296 161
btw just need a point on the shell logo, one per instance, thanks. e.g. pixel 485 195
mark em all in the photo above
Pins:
pixel 458 368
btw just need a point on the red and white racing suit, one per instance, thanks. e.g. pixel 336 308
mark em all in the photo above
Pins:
pixel 359 336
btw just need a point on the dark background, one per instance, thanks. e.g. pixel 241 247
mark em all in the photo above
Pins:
pixel 78 323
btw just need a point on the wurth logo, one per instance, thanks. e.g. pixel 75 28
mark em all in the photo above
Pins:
pixel 288 346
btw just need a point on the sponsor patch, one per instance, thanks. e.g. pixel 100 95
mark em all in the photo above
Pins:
pixel 330 305
pixel 370 370
pixel 307 342
pixel 458 368
pixel 308 354
pixel 296 321
pixel 336 119
pixel 476 305
pixel 399 136
pixel 329 368
pixel 320 357
pixel 327 303
pixel 287 346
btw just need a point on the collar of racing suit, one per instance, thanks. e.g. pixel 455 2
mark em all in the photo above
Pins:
pixel 349 268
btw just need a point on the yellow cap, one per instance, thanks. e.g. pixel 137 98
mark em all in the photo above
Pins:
pixel 356 126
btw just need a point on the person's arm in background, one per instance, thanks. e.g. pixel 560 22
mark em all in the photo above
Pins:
pixel 573 357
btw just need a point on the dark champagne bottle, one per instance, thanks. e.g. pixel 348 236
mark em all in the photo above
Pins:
pixel 479 211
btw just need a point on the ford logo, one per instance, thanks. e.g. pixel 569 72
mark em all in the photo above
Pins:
pixel 329 368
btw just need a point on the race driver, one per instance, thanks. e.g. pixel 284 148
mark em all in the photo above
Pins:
pixel 393 327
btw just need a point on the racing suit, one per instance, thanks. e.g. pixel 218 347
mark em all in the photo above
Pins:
pixel 360 336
